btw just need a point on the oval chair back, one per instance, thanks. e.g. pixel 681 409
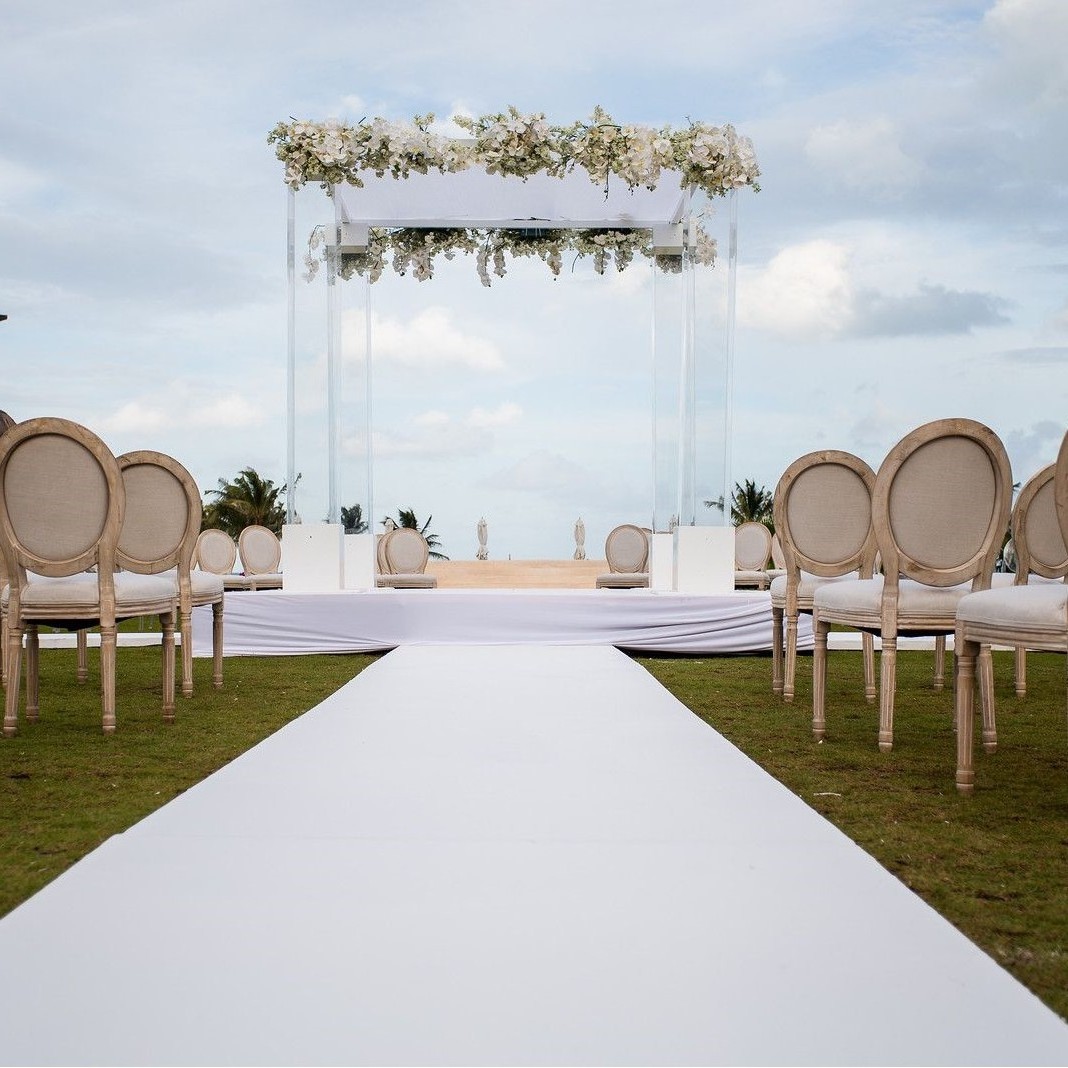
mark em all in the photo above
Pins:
pixel 941 504
pixel 1036 530
pixel 261 551
pixel 627 549
pixel 406 552
pixel 823 514
pixel 215 551
pixel 752 546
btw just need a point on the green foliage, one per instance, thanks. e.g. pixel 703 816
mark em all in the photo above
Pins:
pixel 751 503
pixel 406 518
pixel 352 519
pixel 248 500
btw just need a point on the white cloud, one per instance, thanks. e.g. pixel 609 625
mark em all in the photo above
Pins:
pixel 1032 35
pixel 863 155
pixel 428 340
pixel 437 435
pixel 136 417
pixel 805 292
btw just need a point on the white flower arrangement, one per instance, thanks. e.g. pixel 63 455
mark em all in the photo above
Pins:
pixel 711 158
pixel 410 250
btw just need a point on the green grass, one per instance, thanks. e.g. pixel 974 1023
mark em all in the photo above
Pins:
pixel 995 864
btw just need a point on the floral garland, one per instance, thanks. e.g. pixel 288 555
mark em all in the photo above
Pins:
pixel 415 250
pixel 714 159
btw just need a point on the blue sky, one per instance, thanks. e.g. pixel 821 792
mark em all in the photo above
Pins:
pixel 906 259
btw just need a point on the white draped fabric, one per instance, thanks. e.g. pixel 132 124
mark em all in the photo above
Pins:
pixel 277 623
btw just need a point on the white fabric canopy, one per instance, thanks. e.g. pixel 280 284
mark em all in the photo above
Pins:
pixel 478 200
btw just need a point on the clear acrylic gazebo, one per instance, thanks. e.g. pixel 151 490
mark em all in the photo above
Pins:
pixel 344 231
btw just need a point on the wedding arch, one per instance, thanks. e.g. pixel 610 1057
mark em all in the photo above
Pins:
pixel 377 195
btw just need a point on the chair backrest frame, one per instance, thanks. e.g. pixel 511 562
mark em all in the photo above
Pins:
pixel 1060 489
pixel 752 546
pixel 406 552
pixel 1036 531
pixel 59 481
pixel 163 513
pixel 925 502
pixel 826 538
pixel 627 549
pixel 216 563
pixel 260 549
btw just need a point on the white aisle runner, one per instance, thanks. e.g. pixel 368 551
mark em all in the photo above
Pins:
pixel 500 855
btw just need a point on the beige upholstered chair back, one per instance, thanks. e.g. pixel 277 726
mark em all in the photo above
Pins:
pixel 61 500
pixel 406 552
pixel 1036 532
pixel 627 549
pixel 6 422
pixel 752 546
pixel 1060 488
pixel 941 504
pixel 380 552
pixel 162 514
pixel 823 514
pixel 216 552
pixel 261 551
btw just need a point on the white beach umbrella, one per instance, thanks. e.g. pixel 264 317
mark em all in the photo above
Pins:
pixel 483 531
pixel 580 540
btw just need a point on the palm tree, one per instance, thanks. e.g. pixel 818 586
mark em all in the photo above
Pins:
pixel 352 520
pixel 406 518
pixel 250 499
pixel 749 504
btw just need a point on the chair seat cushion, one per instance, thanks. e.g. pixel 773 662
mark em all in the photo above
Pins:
pixel 1004 579
pixel 617 580
pixel 78 593
pixel 806 587
pixel 863 597
pixel 1042 606
pixel 205 585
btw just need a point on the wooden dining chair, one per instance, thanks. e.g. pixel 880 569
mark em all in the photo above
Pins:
pixel 940 508
pixel 62 505
pixel 1026 615
pixel 159 535
pixel 823 517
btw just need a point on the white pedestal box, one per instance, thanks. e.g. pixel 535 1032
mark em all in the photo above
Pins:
pixel 704 559
pixel 311 557
pixel 359 571
pixel 662 561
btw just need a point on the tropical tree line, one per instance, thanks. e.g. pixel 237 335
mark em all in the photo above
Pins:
pixel 249 499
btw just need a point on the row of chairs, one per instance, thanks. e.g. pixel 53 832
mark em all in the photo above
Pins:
pixel 261 557
pixel 90 539
pixel 936 515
